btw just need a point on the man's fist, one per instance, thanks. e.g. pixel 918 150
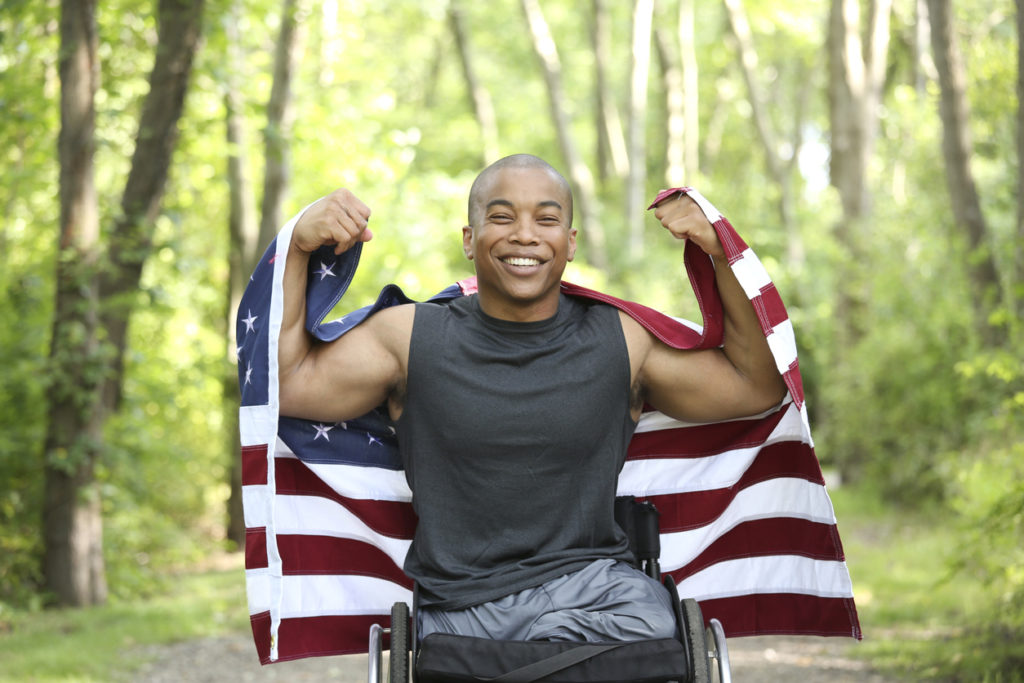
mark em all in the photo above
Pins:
pixel 340 219
pixel 681 216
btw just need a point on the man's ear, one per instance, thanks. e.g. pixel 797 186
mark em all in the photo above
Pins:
pixel 467 241
pixel 572 244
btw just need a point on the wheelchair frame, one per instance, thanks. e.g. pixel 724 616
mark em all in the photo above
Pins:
pixel 706 649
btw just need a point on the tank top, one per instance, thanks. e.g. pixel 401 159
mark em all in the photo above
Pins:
pixel 512 436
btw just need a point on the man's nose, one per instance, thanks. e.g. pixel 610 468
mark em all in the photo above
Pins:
pixel 525 232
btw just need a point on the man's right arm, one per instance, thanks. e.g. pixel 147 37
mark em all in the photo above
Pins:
pixel 352 375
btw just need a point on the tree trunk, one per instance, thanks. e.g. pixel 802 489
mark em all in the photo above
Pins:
pixel 279 122
pixel 779 170
pixel 483 107
pixel 243 252
pixel 130 240
pixel 87 376
pixel 1018 279
pixel 612 158
pixel 691 98
pixel 672 84
pixel 957 148
pixel 592 237
pixel 636 188
pixel 856 74
pixel 72 529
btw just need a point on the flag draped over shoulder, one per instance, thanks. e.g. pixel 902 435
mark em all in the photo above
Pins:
pixel 747 526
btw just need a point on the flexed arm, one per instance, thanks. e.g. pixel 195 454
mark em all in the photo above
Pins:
pixel 738 379
pixel 347 377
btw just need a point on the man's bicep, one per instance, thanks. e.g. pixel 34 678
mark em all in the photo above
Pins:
pixel 694 385
pixel 342 379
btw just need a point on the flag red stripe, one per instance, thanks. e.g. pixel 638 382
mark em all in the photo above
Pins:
pixel 697 441
pixel 254 465
pixel 787 459
pixel 764 537
pixel 256 548
pixel 794 382
pixel 770 308
pixel 783 614
pixel 308 554
pixel 321 636
pixel 390 518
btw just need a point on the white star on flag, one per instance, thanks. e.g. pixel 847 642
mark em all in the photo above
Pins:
pixel 248 374
pixel 325 270
pixel 249 322
pixel 321 430
pixel 374 440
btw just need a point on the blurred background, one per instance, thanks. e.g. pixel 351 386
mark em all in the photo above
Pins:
pixel 869 151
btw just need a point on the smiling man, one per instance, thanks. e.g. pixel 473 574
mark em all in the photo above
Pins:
pixel 514 408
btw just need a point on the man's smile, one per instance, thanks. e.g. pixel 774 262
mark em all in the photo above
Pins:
pixel 521 261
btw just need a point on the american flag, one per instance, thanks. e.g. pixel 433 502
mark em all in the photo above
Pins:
pixel 747 526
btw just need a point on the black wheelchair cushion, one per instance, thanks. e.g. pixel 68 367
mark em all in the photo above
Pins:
pixel 444 657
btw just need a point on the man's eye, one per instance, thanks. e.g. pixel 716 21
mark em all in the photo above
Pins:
pixel 500 218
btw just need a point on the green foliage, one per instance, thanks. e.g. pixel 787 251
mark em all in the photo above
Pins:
pixel 101 643
pixel 913 405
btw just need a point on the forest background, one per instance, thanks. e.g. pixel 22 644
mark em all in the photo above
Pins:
pixel 870 152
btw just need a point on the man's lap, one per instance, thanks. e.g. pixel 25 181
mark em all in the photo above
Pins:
pixel 604 601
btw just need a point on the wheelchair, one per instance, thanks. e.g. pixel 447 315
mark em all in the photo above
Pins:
pixel 697 654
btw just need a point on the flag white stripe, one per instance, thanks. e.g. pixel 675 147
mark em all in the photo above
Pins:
pixel 315 516
pixel 794 498
pixel 782 342
pixel 771 574
pixel 655 420
pixel 666 475
pixel 361 482
pixel 313 595
pixel 751 274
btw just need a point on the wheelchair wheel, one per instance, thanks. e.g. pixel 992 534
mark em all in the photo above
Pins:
pixel 697 640
pixel 399 655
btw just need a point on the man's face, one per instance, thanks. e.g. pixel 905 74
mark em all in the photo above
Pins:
pixel 521 243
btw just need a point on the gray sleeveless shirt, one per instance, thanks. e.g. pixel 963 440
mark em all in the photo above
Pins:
pixel 512 436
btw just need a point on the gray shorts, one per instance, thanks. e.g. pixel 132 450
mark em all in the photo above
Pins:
pixel 605 601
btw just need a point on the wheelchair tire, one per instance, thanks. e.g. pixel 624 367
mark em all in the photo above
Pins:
pixel 399 654
pixel 697 641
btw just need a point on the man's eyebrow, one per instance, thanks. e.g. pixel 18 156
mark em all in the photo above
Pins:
pixel 505 202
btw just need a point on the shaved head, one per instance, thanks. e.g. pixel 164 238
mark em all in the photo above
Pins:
pixel 516 161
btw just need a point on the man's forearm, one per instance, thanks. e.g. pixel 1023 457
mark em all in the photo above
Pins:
pixel 744 341
pixel 294 342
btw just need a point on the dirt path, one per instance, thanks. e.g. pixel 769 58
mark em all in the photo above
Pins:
pixel 754 660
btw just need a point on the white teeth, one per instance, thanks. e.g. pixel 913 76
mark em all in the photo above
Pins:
pixel 517 261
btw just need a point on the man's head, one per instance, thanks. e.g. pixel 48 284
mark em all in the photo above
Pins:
pixel 520 237
pixel 522 161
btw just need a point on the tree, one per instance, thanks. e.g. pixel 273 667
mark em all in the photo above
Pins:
pixel 72 526
pixel 1018 276
pixel 612 157
pixel 579 174
pixel 243 251
pixel 483 107
pixel 93 303
pixel 279 120
pixel 636 188
pixel 856 77
pixel 780 171
pixel 957 149
pixel 245 242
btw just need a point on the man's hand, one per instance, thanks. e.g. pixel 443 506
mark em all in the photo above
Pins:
pixel 340 219
pixel 684 219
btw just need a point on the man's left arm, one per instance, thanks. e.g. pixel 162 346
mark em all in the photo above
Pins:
pixel 741 377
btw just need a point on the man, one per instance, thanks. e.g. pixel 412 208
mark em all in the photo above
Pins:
pixel 514 408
